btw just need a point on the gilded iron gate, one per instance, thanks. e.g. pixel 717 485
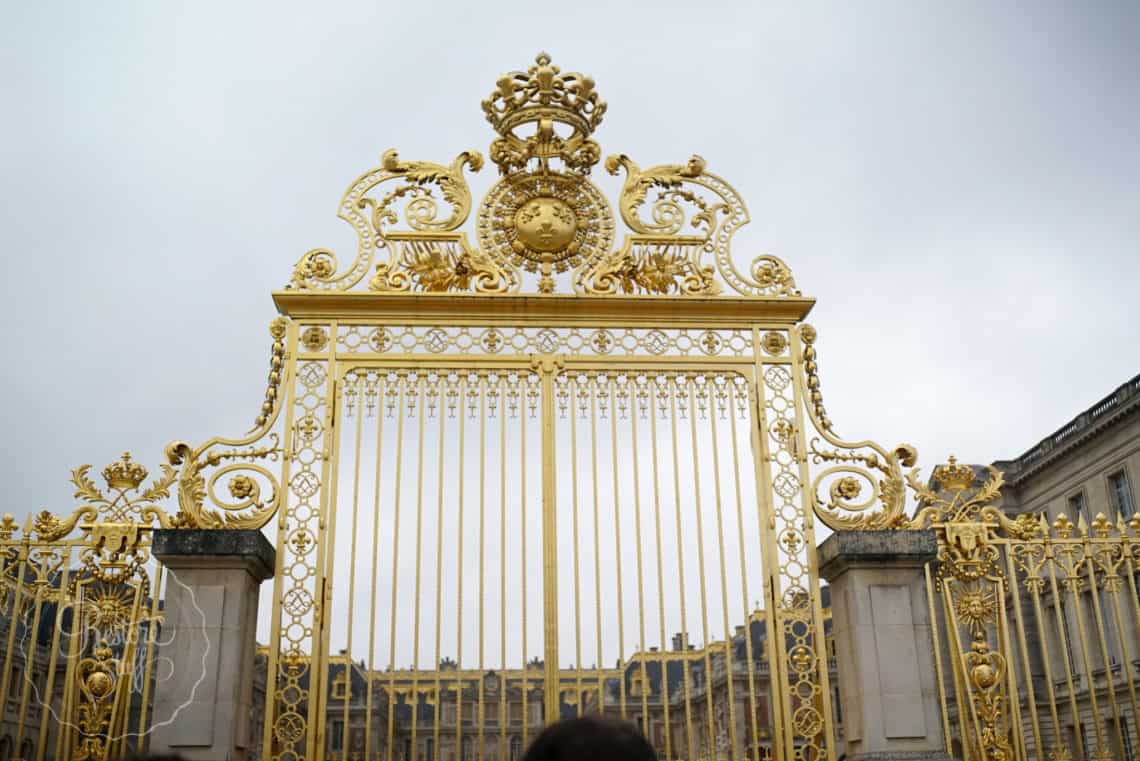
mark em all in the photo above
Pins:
pixel 1037 624
pixel 498 509
pixel 546 475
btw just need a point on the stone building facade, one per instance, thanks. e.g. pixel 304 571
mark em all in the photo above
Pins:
pixel 497 713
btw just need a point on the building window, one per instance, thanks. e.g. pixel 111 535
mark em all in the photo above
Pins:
pixel 1121 494
pixel 430 749
pixel 340 687
pixel 1077 506
pixel 515 748
pixel 1125 737
pixel 336 736
pixel 468 749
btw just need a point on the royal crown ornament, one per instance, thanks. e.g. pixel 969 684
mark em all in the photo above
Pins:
pixel 543 96
pixel 544 217
pixel 124 474
pixel 954 476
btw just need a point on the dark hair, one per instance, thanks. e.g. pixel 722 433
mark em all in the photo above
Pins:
pixel 590 738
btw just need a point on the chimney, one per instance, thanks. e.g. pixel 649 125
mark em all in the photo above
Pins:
pixel 680 641
pixel 740 631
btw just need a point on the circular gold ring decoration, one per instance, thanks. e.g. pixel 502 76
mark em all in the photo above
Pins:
pixel 545 222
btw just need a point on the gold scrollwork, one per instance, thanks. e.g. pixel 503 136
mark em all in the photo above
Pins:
pixel 371 218
pixel 253 509
pixel 716 220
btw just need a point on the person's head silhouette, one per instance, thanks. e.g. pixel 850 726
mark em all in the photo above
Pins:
pixel 590 739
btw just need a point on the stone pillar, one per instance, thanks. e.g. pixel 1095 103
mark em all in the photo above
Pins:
pixel 881 623
pixel 203 688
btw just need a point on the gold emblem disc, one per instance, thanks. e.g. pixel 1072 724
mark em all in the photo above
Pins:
pixel 545 224
pixel 545 221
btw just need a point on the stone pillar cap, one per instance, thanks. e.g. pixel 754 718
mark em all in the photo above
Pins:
pixel 884 548
pixel 178 546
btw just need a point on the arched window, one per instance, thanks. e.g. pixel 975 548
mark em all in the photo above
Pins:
pixel 515 748
pixel 468 749
pixel 6 748
pixel 27 751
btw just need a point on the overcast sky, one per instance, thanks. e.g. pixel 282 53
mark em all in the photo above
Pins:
pixel 957 183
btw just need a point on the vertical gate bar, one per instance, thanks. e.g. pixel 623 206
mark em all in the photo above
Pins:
pixel 53 661
pixel 121 720
pixel 29 663
pixel 381 388
pixel 716 403
pixel 441 394
pixel 401 384
pixel 691 382
pixel 966 705
pixel 421 381
pixel 674 390
pixel 1042 635
pixel 636 408
pixel 1082 638
pixel 663 688
pixel 819 640
pixel 1007 650
pixel 22 551
pixel 766 519
pixel 1015 593
pixel 779 684
pixel 937 658
pixel 287 402
pixel 66 737
pixel 152 635
pixel 611 383
pixel 318 661
pixel 522 545
pixel 572 381
pixel 462 401
pixel 748 653
pixel 503 694
pixel 1094 593
pixel 1126 656
pixel 552 701
pixel 480 718
pixel 346 732
pixel 1064 640
pixel 593 390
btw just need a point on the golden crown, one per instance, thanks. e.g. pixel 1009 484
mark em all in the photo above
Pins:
pixel 124 474
pixel 543 92
pixel 953 475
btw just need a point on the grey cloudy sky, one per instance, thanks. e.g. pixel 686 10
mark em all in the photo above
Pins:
pixel 957 183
